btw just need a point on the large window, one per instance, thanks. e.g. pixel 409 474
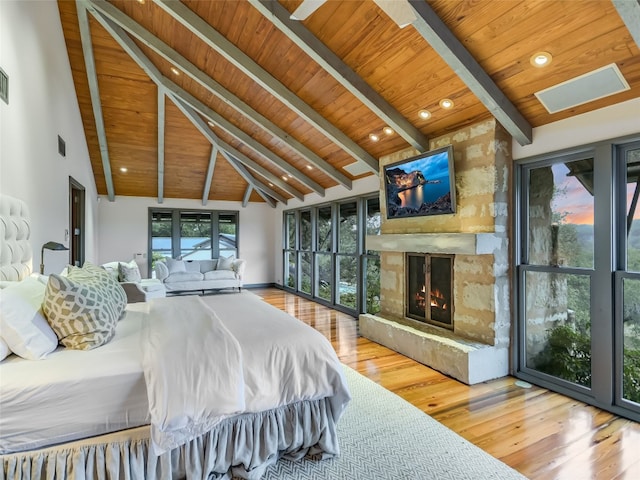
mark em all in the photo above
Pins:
pixel 192 234
pixel 578 281
pixel 329 261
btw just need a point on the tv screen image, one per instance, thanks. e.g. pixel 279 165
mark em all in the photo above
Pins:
pixel 421 185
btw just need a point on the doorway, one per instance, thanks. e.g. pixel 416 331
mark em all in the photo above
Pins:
pixel 76 222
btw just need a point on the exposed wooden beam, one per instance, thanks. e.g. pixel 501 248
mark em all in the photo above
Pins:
pixel 96 105
pixel 261 188
pixel 444 42
pixel 247 195
pixel 159 79
pixel 202 126
pixel 189 69
pixel 242 136
pixel 209 177
pixel 237 57
pixel 344 74
pixel 629 10
pixel 161 123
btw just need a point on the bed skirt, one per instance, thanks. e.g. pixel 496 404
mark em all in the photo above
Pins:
pixel 240 446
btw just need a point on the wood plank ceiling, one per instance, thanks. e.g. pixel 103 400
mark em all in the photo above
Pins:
pixel 220 100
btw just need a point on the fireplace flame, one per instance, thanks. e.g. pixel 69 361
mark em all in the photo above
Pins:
pixel 437 299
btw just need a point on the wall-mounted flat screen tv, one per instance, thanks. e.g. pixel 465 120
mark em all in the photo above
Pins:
pixel 421 185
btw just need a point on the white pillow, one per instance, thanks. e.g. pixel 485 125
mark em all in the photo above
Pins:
pixel 175 266
pixel 22 324
pixel 4 349
pixel 129 272
pixel 225 263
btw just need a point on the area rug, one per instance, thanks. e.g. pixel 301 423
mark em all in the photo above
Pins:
pixel 383 437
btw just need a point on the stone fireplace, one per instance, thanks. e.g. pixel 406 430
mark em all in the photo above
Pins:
pixel 463 328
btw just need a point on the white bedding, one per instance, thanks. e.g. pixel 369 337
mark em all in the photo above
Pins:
pixel 69 396
pixel 72 393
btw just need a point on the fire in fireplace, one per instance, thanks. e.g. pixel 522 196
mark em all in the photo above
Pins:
pixel 430 288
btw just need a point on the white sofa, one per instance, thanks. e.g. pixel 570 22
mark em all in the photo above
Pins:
pixel 200 275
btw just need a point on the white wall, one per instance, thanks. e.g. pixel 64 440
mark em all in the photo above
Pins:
pixel 364 186
pixel 42 105
pixel 124 226
pixel 603 124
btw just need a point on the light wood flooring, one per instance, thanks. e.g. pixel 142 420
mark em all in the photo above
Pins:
pixel 543 435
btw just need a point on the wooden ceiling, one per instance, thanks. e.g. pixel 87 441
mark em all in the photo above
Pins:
pixel 281 124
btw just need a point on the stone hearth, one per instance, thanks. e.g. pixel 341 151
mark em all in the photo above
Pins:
pixel 477 234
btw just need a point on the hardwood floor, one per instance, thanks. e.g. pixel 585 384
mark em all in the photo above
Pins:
pixel 542 434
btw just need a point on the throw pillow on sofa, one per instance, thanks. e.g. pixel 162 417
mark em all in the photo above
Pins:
pixel 175 266
pixel 129 272
pixel 225 263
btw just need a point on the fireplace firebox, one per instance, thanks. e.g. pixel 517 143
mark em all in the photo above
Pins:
pixel 429 288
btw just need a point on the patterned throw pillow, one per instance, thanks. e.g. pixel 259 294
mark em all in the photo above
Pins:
pixel 84 307
pixel 129 272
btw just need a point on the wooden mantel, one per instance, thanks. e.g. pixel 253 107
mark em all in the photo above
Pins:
pixel 451 243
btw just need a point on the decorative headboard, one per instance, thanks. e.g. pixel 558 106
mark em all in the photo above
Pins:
pixel 15 230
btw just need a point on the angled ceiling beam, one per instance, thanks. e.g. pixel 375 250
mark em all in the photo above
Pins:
pixel 260 187
pixel 629 11
pixel 225 148
pixel 444 42
pixel 209 177
pixel 161 117
pixel 157 77
pixel 169 54
pixel 237 57
pixel 345 75
pixel 247 195
pixel 92 78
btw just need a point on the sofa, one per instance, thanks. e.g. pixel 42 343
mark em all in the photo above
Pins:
pixel 137 289
pixel 200 275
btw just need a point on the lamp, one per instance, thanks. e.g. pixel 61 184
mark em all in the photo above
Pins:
pixel 49 246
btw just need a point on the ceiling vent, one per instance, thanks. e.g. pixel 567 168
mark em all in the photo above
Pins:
pixel 591 86
pixel 357 168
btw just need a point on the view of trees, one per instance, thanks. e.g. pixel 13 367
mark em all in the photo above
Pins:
pixel 567 352
pixel 345 256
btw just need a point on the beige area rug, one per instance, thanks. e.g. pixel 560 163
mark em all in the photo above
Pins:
pixel 383 437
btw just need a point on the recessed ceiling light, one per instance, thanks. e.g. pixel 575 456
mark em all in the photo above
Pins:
pixel 388 130
pixel 175 71
pixel 374 137
pixel 446 103
pixel 123 169
pixel 424 114
pixel 540 59
pixel 309 167
pixel 270 184
pixel 211 124
pixel 285 178
pixel 141 2
pixel 289 175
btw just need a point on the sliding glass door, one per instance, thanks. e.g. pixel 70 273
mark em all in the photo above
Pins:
pixel 578 274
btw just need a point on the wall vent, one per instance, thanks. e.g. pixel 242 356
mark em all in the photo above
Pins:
pixel 591 86
pixel 62 146
pixel 4 86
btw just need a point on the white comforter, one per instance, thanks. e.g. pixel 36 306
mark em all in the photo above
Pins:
pixel 193 370
pixel 200 370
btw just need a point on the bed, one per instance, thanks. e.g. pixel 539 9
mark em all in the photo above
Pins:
pixel 217 387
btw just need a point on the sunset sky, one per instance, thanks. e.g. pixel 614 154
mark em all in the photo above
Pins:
pixel 575 200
